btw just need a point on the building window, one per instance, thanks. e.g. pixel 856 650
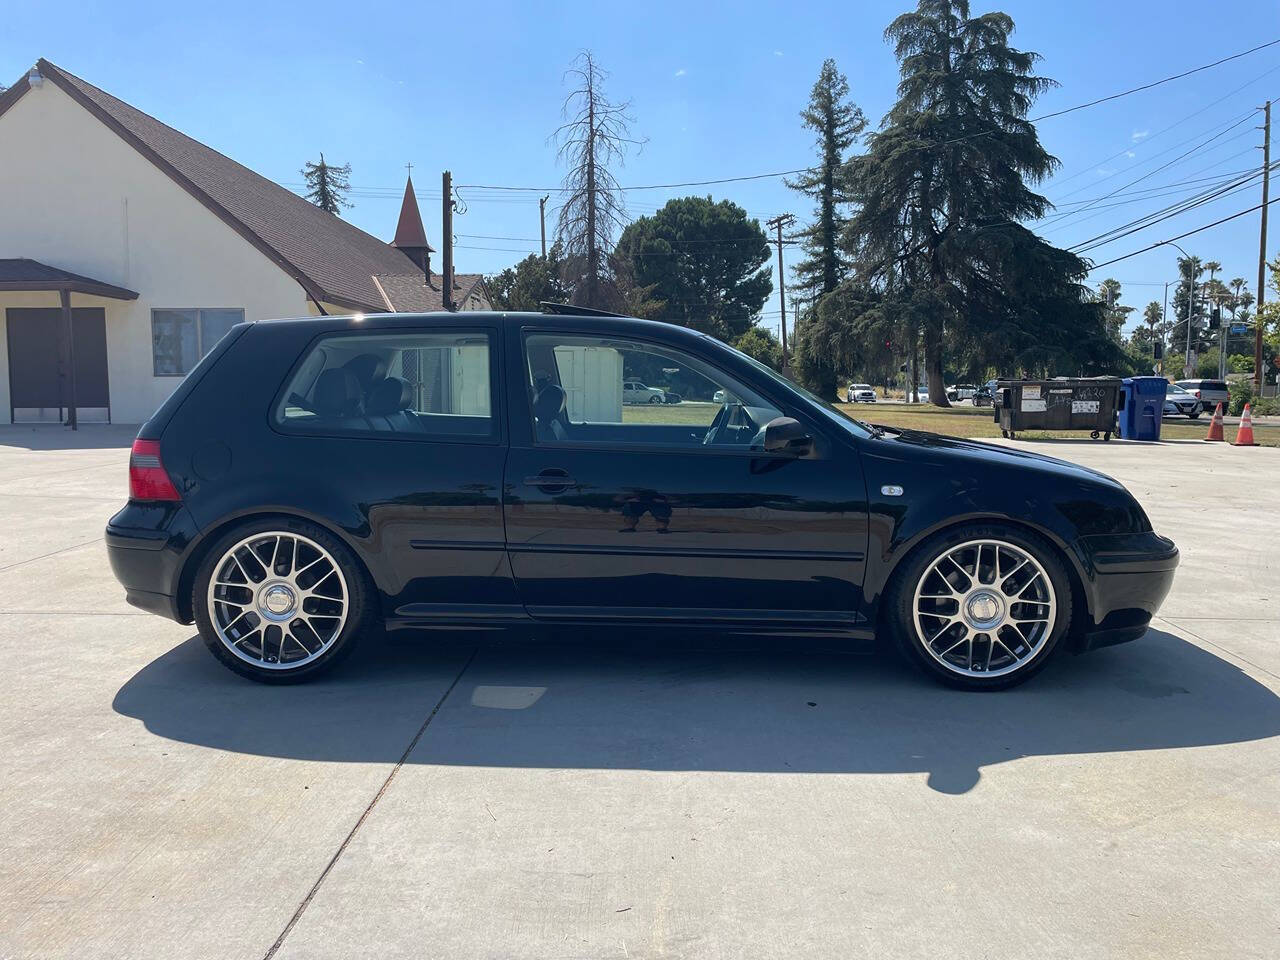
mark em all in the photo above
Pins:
pixel 179 338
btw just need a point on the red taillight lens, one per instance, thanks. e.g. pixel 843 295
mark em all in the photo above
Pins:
pixel 1197 394
pixel 147 477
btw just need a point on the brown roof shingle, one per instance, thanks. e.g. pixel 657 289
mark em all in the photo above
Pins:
pixel 334 260
pixel 409 293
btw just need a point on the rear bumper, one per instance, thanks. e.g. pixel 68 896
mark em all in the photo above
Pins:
pixel 1131 575
pixel 146 545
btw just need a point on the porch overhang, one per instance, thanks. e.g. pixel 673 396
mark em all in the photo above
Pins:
pixel 21 274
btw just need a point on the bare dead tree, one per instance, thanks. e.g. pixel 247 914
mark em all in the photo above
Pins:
pixel 595 133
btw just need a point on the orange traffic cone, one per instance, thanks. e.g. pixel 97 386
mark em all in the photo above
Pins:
pixel 1215 425
pixel 1244 437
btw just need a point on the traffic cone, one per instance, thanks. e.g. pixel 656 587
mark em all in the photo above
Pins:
pixel 1244 437
pixel 1215 425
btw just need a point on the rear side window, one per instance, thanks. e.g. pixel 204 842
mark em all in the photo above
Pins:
pixel 426 385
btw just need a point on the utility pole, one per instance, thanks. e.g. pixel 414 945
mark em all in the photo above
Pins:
pixel 778 222
pixel 446 229
pixel 542 222
pixel 1262 251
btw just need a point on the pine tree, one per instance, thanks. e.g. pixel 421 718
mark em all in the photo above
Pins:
pixel 837 122
pixel 942 193
pixel 327 185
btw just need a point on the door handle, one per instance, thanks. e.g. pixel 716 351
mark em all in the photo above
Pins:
pixel 553 477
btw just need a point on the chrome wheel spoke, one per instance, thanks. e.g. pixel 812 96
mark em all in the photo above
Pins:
pixel 278 600
pixel 1001 596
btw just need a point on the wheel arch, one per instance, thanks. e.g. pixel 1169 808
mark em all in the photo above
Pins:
pixel 1081 601
pixel 200 547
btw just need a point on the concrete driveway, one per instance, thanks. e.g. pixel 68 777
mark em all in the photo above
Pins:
pixel 636 796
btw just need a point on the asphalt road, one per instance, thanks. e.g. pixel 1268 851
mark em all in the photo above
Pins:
pixel 637 796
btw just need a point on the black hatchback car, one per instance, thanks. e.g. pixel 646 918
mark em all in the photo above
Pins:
pixel 311 478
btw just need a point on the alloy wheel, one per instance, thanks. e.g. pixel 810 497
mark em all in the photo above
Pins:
pixel 984 608
pixel 278 600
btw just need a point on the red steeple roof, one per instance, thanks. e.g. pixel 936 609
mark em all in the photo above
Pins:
pixel 409 232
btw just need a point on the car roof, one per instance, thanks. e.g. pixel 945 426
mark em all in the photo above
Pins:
pixel 586 322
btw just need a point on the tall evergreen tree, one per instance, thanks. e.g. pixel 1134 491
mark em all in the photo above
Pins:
pixel 327 185
pixel 941 194
pixel 837 123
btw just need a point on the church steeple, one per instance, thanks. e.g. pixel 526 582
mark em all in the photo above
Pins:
pixel 411 238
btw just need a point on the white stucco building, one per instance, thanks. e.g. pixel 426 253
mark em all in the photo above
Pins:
pixel 127 249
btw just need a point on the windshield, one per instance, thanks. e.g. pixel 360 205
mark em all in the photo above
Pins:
pixel 1174 388
pixel 845 422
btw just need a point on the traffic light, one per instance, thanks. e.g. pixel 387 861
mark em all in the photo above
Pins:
pixel 1215 318
pixel 1158 348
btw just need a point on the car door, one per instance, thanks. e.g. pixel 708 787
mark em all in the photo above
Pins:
pixel 396 434
pixel 629 512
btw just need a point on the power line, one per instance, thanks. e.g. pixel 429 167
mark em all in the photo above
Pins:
pixel 1161 243
pixel 1156 83
pixel 1158 216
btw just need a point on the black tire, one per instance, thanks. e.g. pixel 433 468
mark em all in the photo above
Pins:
pixel 653 399
pixel 899 616
pixel 361 613
pixel 1194 416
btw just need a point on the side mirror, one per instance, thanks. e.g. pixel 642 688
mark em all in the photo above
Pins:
pixel 785 435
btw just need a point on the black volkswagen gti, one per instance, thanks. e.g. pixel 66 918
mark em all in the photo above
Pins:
pixel 313 477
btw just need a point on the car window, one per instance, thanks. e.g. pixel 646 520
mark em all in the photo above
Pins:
pixel 615 390
pixel 405 384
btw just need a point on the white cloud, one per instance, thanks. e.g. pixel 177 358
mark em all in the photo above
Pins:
pixel 1130 154
pixel 1105 171
pixel 360 61
pixel 1139 135
pixel 777 53
pixel 681 72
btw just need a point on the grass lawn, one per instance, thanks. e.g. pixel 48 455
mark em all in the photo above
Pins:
pixel 970 421
pixel 961 421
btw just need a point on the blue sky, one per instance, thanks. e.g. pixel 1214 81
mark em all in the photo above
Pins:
pixel 715 88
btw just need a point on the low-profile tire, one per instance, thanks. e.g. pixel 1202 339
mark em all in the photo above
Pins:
pixel 1194 416
pixel 962 587
pixel 281 600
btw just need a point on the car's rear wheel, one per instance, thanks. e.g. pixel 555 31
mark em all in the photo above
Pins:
pixel 280 601
pixel 981 607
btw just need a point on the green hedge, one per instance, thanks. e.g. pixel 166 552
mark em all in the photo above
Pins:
pixel 1242 393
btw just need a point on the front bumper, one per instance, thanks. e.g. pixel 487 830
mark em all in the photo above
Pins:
pixel 146 546
pixel 1129 577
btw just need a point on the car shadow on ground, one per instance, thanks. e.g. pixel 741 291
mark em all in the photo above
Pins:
pixel 54 436
pixel 805 708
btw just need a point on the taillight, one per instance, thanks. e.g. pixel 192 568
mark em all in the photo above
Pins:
pixel 1197 394
pixel 147 477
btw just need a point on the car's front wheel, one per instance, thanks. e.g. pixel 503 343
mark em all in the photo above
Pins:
pixel 981 607
pixel 281 600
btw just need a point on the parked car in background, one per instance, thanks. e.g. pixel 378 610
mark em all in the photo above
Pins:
pixel 1179 402
pixel 634 391
pixel 982 397
pixel 860 393
pixel 963 391
pixel 314 481
pixel 1210 393
pixel 669 396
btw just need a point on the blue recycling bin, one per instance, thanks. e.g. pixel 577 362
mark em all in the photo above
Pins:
pixel 1143 407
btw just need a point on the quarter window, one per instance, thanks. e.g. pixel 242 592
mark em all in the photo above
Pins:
pixel 611 390
pixel 405 384
pixel 179 338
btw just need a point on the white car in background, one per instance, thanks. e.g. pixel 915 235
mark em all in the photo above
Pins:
pixel 860 393
pixel 634 391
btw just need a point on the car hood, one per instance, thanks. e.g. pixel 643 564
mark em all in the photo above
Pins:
pixel 975 452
